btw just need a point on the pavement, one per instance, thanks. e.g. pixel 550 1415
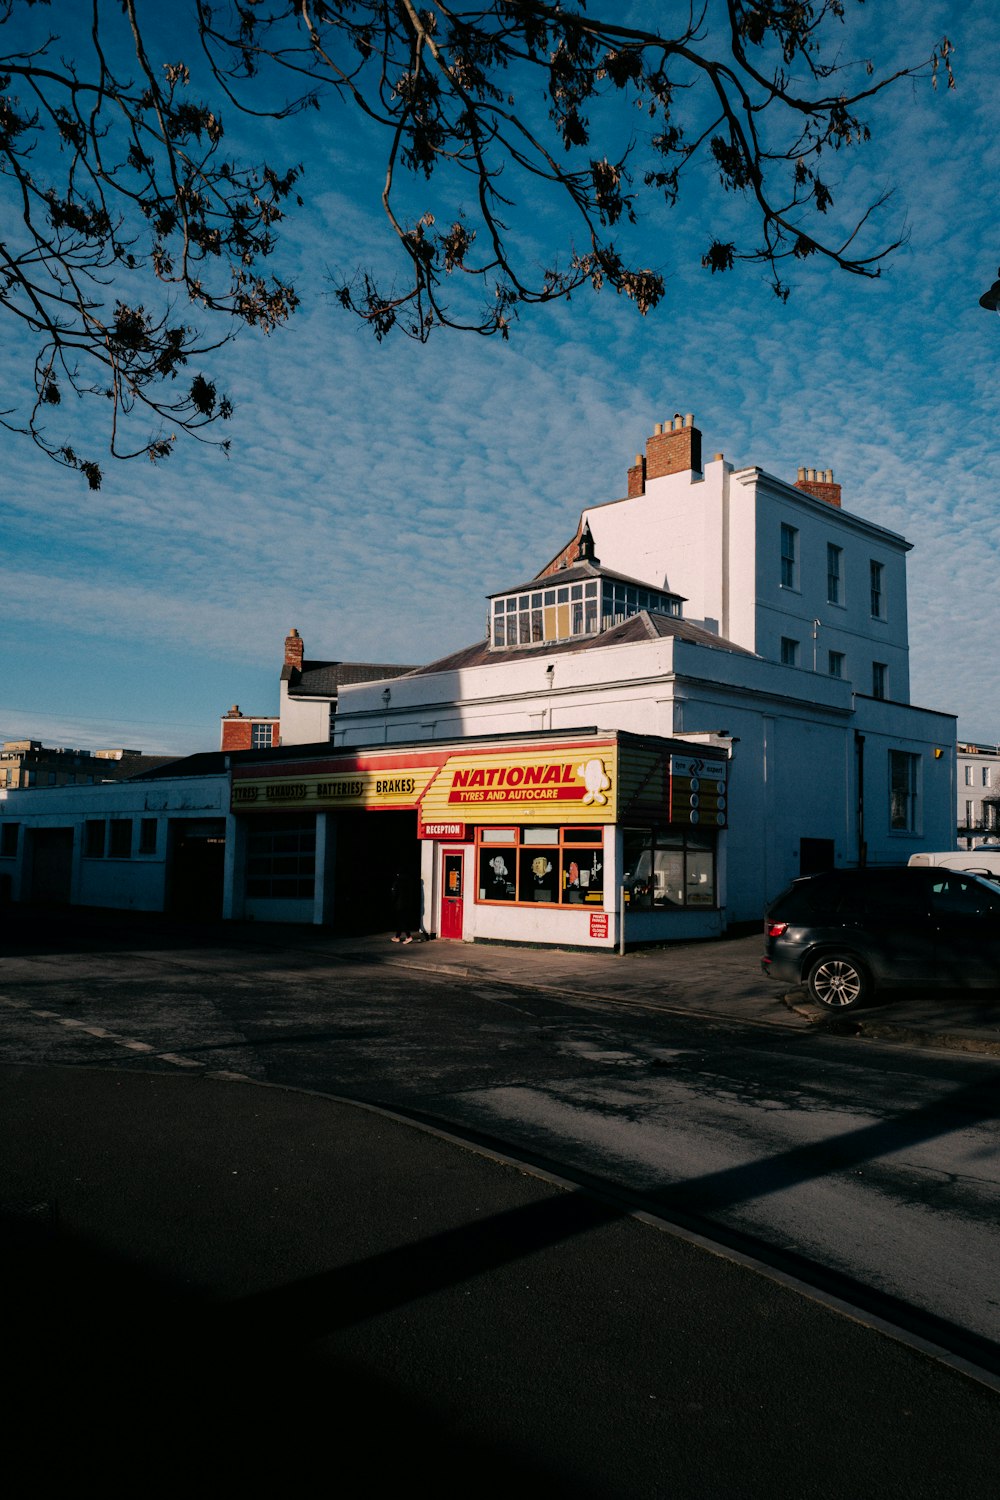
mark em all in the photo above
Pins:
pixel 211 1283
pixel 719 979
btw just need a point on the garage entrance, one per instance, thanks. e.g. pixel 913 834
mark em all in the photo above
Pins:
pixel 51 865
pixel 196 864
pixel 370 848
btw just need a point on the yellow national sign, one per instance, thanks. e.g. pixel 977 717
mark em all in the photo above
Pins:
pixel 564 785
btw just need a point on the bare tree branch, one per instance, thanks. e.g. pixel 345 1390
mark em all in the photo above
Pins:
pixel 136 246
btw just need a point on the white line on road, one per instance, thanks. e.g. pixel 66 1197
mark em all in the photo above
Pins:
pixel 71 1024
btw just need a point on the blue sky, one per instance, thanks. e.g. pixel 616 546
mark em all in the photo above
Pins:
pixel 376 494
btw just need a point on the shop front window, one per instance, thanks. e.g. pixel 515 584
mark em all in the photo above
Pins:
pixel 553 866
pixel 668 868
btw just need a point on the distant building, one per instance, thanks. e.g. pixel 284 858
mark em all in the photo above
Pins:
pixel 30 765
pixel 242 731
pixel 978 793
pixel 308 696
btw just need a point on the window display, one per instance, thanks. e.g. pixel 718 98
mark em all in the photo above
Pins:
pixel 554 866
pixel 666 868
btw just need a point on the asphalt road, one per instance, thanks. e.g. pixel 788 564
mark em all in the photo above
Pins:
pixel 878 1164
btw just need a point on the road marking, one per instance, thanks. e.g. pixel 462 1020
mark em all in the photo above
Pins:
pixel 72 1024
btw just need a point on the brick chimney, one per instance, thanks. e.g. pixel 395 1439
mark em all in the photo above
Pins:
pixel 674 448
pixel 819 482
pixel 294 650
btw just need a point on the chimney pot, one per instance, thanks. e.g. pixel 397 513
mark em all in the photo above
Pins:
pixel 689 419
pixel 674 448
pixel 294 649
pixel 717 457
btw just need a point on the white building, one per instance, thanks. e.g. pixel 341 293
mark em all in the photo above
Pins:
pixel 791 654
pixel 978 794
pixel 144 846
pixel 703 695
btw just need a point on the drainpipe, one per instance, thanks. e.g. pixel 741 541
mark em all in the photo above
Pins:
pixel 859 749
pixel 621 923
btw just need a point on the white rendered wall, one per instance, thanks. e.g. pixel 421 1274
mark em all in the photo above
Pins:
pixel 138 883
pixel 716 539
pixel 803 612
pixel 304 721
pixel 671 538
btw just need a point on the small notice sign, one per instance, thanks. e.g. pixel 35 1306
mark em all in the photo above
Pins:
pixel 598 924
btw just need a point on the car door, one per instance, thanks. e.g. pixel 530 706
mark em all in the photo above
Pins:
pixel 896 928
pixel 966 917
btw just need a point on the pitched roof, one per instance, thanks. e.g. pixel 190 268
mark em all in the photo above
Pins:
pixel 325 678
pixel 646 625
pixel 577 573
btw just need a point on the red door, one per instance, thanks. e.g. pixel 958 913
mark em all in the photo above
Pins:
pixel 452 868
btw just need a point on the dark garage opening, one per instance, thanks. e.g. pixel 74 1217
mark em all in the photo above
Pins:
pixel 370 848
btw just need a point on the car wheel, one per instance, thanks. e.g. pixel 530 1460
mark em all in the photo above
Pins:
pixel 838 982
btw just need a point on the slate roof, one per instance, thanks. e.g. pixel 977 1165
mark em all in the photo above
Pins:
pixel 324 679
pixel 579 572
pixel 646 625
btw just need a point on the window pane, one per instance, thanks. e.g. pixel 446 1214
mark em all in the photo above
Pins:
pixel 120 844
pixel 538 874
pixel 833 558
pixel 498 836
pixel 583 879
pixel 537 835
pixel 496 875
pixel 700 878
pixel 902 790
pixel 789 538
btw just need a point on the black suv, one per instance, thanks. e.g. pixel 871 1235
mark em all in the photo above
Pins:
pixel 847 932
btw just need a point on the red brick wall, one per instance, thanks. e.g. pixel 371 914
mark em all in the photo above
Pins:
pixel 673 452
pixel 828 492
pixel 237 734
pixel 294 650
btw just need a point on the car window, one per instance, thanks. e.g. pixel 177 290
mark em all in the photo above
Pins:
pixel 961 894
pixel 893 893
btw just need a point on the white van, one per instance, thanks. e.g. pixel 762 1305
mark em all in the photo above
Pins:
pixel 982 861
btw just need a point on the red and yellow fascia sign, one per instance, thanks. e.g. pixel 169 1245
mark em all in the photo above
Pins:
pixel 576 784
pixel 567 783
